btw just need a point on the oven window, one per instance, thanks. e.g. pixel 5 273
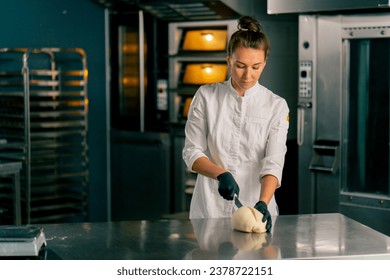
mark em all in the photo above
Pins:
pixel 368 117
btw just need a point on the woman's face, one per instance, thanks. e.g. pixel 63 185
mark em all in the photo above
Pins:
pixel 246 66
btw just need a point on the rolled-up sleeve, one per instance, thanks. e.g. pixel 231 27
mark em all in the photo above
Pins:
pixel 195 145
pixel 276 148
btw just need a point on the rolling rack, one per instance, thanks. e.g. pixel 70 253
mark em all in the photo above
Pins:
pixel 44 125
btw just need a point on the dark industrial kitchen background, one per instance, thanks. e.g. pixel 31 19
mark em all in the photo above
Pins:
pixel 139 87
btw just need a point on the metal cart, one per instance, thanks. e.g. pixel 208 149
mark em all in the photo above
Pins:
pixel 44 125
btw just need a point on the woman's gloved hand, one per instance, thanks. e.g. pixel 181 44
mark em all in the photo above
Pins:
pixel 227 186
pixel 261 206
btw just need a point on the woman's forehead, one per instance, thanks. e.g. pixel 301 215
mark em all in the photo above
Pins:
pixel 248 55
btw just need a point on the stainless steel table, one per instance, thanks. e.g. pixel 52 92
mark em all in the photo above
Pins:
pixel 319 236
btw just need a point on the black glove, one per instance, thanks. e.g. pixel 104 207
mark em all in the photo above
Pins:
pixel 261 206
pixel 227 186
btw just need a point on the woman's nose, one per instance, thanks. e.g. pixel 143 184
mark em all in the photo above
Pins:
pixel 246 72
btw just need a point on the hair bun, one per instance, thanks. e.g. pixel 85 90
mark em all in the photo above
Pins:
pixel 247 23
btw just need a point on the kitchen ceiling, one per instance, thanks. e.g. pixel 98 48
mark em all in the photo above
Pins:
pixel 182 10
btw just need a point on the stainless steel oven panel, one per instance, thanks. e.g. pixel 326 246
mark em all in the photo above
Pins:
pixel 306 112
pixel 328 78
pixel 318 112
pixel 328 110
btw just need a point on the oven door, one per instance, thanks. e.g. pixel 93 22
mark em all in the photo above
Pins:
pixel 365 124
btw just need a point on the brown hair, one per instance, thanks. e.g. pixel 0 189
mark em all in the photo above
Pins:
pixel 249 35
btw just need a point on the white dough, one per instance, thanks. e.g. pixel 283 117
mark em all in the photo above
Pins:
pixel 248 219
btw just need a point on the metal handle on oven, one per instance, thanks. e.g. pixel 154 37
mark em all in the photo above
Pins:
pixel 301 121
pixel 325 156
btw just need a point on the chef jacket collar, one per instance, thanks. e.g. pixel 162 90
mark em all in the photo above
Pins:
pixel 248 92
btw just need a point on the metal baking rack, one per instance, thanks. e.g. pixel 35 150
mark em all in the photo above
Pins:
pixel 44 125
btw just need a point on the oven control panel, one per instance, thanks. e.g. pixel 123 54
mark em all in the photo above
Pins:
pixel 305 78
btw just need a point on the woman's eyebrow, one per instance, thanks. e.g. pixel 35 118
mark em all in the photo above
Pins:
pixel 258 63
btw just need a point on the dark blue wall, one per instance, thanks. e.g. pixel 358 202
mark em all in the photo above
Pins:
pixel 69 23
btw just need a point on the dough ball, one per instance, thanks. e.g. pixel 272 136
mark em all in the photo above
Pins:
pixel 248 219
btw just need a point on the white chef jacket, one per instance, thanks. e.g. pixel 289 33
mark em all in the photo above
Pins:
pixel 244 134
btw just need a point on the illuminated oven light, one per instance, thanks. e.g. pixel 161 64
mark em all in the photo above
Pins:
pixel 208 37
pixel 207 69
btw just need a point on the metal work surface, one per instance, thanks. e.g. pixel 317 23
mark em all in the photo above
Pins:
pixel 319 236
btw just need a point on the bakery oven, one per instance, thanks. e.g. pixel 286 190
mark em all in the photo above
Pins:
pixel 343 107
pixel 343 116
pixel 197 56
